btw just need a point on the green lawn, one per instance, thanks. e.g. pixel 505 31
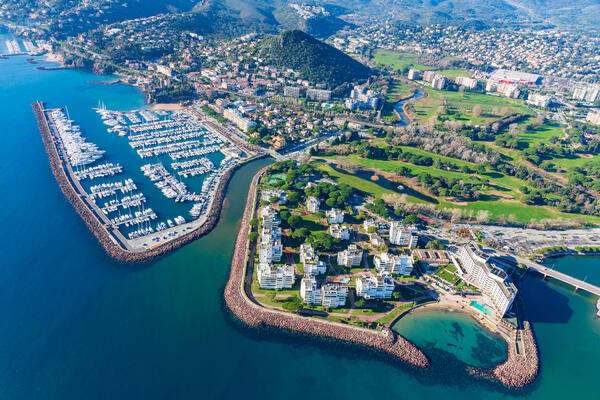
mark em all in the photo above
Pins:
pixel 428 106
pixel 402 60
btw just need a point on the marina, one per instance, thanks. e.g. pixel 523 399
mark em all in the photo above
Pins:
pixel 139 183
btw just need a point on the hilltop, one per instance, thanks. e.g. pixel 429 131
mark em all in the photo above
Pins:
pixel 316 61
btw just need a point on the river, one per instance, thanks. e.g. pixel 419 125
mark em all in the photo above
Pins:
pixel 399 107
pixel 78 325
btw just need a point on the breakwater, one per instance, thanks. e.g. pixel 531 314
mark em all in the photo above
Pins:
pixel 236 298
pixel 518 370
pixel 107 240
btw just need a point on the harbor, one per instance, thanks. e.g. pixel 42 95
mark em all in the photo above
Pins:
pixel 150 179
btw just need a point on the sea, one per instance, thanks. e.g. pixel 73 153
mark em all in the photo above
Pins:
pixel 75 324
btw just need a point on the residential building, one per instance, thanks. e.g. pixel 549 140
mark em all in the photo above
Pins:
pixel 368 223
pixel 351 257
pixel 361 97
pixel 593 117
pixel 539 100
pixel 477 269
pixel 333 295
pixel 375 287
pixel 270 193
pixel 335 216
pixel 269 217
pixel 402 236
pixel 291 91
pixel 338 231
pixel 439 82
pixel 275 277
pixel 469 83
pixel 375 239
pixel 393 264
pixel 509 90
pixel 414 74
pixel 318 94
pixel 312 264
pixel 329 295
pixel 238 119
pixel 430 259
pixel 310 291
pixel 313 204
pixel 428 76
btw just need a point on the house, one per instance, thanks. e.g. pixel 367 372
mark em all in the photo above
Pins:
pixel 375 287
pixel 338 231
pixel 335 216
pixel 312 204
pixel 270 193
pixel 275 277
pixel 351 257
pixel 393 264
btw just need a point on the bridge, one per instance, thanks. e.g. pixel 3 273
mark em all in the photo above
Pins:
pixel 549 272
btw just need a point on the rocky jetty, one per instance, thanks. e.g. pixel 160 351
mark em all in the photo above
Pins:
pixel 518 370
pixel 106 239
pixel 255 315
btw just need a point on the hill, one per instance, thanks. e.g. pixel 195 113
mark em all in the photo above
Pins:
pixel 316 61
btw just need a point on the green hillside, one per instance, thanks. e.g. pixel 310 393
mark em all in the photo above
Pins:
pixel 316 61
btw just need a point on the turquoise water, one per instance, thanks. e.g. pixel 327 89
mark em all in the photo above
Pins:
pixel 456 333
pixel 77 325
pixel 481 307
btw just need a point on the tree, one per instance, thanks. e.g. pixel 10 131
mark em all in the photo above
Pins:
pixel 410 219
pixel 294 221
pixel 252 236
pixel 301 233
pixel 477 111
pixel 294 197
pixel 253 222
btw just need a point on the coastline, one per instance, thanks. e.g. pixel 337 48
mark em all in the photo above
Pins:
pixel 516 372
pixel 104 237
pixel 252 314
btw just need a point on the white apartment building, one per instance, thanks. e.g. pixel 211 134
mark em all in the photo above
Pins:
pixel 361 97
pixel 312 264
pixel 375 239
pixel 270 249
pixel 329 295
pixel 368 223
pixel 313 204
pixel 414 74
pixel 351 257
pixel 439 82
pixel 338 231
pixel 539 100
pixel 333 295
pixel 310 291
pixel 401 236
pixel 275 277
pixel 238 119
pixel 335 216
pixel 318 94
pixel 589 94
pixel 375 287
pixel 291 91
pixel 269 217
pixel 593 117
pixel 428 76
pixel 493 281
pixel 469 83
pixel 393 264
